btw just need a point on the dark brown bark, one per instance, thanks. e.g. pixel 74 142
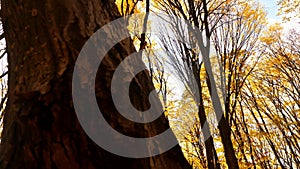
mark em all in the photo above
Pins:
pixel 211 155
pixel 41 130
pixel 225 133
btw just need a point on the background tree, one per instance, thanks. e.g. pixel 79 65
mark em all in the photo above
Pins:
pixel 272 99
pixel 289 9
pixel 3 76
pixel 236 42
pixel 186 59
pixel 234 28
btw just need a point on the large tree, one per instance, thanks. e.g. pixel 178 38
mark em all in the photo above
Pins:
pixel 41 129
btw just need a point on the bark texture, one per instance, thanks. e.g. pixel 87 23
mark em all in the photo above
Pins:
pixel 41 130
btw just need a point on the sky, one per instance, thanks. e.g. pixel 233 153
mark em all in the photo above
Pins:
pixel 272 9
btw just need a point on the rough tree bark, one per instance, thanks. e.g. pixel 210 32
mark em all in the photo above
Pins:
pixel 41 130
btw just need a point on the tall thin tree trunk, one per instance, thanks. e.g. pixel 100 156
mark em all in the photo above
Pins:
pixel 225 133
pixel 211 155
pixel 41 130
pixel 223 126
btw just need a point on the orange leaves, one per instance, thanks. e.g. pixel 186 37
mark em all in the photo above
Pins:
pixel 272 34
pixel 127 7
pixel 289 9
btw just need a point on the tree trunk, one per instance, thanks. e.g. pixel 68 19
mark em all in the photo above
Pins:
pixel 41 130
pixel 211 155
pixel 225 132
